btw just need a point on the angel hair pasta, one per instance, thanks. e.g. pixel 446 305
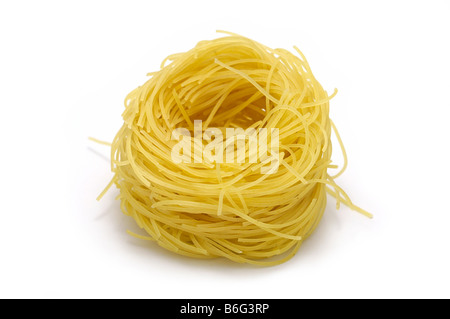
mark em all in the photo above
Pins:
pixel 225 151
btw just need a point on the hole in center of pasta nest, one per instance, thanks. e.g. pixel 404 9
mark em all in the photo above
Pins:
pixel 242 106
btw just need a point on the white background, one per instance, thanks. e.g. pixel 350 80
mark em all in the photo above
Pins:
pixel 65 68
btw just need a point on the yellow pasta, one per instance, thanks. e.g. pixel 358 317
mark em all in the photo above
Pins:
pixel 207 209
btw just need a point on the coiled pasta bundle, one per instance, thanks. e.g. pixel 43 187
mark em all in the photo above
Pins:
pixel 204 208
